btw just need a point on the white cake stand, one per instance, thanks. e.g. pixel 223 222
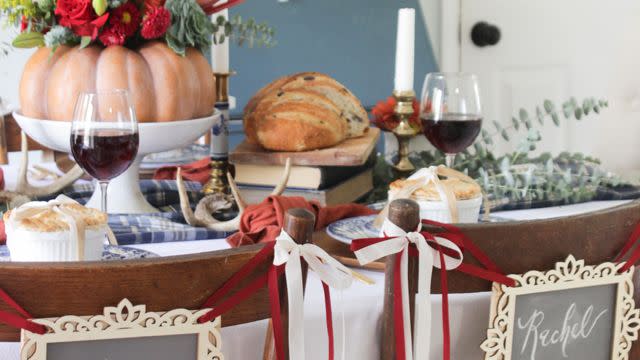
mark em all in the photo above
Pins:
pixel 123 196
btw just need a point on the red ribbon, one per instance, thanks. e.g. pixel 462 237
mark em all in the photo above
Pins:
pixel 270 279
pixel 490 272
pixel 16 321
pixel 635 255
pixel 210 7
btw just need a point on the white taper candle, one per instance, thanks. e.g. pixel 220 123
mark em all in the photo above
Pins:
pixel 405 49
pixel 220 52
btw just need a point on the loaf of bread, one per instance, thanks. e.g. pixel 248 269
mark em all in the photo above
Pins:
pixel 304 111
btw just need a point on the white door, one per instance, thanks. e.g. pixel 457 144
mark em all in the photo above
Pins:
pixel 555 49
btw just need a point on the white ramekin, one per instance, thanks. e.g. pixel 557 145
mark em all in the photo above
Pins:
pixel 468 210
pixel 27 245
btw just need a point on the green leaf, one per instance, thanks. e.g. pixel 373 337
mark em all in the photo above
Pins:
pixel 527 124
pixel 504 134
pixel 497 125
pixel 586 106
pixel 555 118
pixel 524 116
pixel 28 40
pixel 548 106
pixel 85 41
pixel 539 115
pixel 516 123
pixel 578 113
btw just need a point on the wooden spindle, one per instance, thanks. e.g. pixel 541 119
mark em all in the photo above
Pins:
pixel 406 214
pixel 299 224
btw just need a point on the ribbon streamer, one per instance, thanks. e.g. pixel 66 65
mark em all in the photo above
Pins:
pixel 398 243
pixel 332 274
pixel 286 254
pixel 443 251
pixel 75 222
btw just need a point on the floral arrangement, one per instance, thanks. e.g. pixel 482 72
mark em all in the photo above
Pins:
pixel 180 23
pixel 385 119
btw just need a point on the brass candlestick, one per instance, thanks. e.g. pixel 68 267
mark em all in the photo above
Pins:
pixel 404 132
pixel 219 140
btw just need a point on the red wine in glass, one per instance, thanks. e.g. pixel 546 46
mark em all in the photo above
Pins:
pixel 452 133
pixel 104 153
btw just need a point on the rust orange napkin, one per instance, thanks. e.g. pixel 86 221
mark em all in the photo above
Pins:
pixel 196 171
pixel 264 221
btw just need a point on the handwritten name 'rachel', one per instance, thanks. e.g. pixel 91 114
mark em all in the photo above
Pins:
pixel 573 328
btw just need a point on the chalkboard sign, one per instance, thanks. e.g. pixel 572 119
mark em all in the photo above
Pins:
pixel 574 312
pixel 126 332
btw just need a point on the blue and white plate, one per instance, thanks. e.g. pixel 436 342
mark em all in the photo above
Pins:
pixel 346 230
pixel 358 227
pixel 109 253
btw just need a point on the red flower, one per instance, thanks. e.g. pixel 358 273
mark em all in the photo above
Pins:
pixel 24 23
pixel 126 18
pixel 385 118
pixel 155 23
pixel 80 17
pixel 112 35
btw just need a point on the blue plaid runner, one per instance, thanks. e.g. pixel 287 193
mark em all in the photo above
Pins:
pixel 167 226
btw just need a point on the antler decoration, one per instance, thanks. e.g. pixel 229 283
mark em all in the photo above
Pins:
pixel 24 190
pixel 203 215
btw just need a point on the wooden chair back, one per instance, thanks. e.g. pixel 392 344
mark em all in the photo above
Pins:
pixel 165 283
pixel 519 246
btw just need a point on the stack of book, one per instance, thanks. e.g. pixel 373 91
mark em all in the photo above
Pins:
pixel 329 185
pixel 338 175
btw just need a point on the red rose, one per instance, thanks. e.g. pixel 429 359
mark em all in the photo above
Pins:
pixel 112 35
pixel 80 17
pixel 155 23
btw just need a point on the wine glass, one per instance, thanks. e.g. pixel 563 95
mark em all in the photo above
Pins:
pixel 104 135
pixel 450 112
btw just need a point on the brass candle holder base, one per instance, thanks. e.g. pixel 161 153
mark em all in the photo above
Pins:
pixel 404 132
pixel 218 183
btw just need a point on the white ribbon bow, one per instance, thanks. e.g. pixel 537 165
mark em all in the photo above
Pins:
pixel 329 270
pixel 34 208
pixel 427 259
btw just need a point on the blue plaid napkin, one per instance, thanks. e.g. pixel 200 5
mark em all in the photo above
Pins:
pixel 166 226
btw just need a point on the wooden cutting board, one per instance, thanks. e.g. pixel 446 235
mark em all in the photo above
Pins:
pixel 352 152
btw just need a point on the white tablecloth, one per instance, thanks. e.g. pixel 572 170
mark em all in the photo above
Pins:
pixel 361 306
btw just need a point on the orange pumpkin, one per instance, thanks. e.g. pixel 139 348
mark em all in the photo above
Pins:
pixel 164 86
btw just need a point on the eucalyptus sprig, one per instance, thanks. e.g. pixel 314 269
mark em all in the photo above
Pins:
pixel 4 48
pixel 243 32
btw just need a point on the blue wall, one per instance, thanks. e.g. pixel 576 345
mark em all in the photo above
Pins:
pixel 351 40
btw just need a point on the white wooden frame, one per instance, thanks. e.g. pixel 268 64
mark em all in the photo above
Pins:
pixel 569 274
pixel 442 18
pixel 124 321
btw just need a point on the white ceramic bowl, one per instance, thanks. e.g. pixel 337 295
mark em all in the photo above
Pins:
pixel 468 210
pixel 35 246
pixel 124 196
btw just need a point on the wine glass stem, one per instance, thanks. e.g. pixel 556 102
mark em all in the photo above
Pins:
pixel 103 195
pixel 449 159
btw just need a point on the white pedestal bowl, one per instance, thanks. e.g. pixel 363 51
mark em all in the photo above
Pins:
pixel 123 196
